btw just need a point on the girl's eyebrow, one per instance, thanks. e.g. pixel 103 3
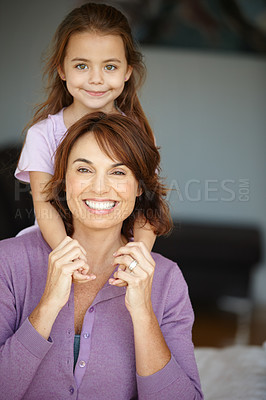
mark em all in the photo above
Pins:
pixel 91 163
pixel 104 61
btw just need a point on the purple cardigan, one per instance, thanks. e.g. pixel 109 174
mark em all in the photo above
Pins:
pixel 32 368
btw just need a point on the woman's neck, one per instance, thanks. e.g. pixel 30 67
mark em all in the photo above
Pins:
pixel 100 246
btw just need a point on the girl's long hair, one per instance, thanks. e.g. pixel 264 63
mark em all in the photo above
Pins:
pixel 104 20
pixel 121 139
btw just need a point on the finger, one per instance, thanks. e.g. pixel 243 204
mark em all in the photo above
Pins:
pixel 143 249
pixel 73 269
pixel 123 261
pixel 117 282
pixel 84 270
pixel 82 249
pixel 66 240
pixel 125 276
pixel 70 253
pixel 79 277
pixel 136 253
pixel 133 251
pixel 142 263
pixel 73 242
pixel 70 267
pixel 68 245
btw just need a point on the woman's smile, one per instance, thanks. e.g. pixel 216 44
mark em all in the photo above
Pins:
pixel 97 185
pixel 101 206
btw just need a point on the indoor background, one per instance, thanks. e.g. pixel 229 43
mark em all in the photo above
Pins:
pixel 205 96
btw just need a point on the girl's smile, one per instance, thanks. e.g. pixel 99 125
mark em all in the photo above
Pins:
pixel 95 70
pixel 93 93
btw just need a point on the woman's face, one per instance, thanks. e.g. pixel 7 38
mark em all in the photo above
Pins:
pixel 101 192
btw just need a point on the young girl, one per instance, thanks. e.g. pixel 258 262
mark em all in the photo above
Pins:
pixel 93 66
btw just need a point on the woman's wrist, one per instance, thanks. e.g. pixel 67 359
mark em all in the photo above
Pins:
pixel 143 315
pixel 43 317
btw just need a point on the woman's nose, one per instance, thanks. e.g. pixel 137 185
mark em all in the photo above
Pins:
pixel 100 184
pixel 96 76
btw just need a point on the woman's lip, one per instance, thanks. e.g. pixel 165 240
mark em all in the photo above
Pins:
pixel 103 211
pixel 95 199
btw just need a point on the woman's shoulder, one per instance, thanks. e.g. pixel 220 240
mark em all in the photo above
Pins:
pixel 165 265
pixel 168 272
pixel 29 247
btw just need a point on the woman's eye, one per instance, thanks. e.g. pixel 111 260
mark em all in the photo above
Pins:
pixel 119 173
pixel 81 66
pixel 83 170
pixel 110 67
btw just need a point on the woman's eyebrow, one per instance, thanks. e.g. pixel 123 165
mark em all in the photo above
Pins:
pixel 83 160
pixel 90 162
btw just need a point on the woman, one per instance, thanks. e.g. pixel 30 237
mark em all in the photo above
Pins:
pixel 128 316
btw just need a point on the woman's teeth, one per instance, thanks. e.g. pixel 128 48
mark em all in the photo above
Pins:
pixel 100 205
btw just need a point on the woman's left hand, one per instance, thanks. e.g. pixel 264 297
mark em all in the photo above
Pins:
pixel 139 279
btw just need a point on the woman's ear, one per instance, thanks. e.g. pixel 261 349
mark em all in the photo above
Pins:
pixel 128 73
pixel 61 73
pixel 140 191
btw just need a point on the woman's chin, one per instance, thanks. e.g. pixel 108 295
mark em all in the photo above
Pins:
pixel 97 224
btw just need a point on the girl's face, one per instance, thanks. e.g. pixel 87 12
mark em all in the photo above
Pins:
pixel 101 192
pixel 95 70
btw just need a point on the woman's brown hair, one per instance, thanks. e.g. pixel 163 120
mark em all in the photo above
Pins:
pixel 104 20
pixel 121 139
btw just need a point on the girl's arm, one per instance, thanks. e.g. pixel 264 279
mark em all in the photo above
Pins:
pixel 49 221
pixel 143 232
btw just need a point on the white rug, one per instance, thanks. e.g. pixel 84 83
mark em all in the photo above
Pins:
pixel 232 373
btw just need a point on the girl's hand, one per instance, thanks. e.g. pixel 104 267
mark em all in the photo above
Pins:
pixel 64 261
pixel 139 280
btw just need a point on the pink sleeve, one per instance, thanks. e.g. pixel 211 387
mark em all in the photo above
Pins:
pixel 37 153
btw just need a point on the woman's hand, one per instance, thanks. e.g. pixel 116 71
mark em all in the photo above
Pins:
pixel 139 280
pixel 65 262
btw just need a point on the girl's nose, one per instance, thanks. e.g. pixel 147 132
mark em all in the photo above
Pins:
pixel 96 76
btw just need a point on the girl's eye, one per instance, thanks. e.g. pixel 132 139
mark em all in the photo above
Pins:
pixel 110 67
pixel 81 66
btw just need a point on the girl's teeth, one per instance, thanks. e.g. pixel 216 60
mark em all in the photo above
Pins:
pixel 100 205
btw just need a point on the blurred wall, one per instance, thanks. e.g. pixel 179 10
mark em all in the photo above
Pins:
pixel 207 111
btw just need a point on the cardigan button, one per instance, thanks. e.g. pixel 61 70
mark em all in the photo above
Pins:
pixel 82 363
pixel 71 389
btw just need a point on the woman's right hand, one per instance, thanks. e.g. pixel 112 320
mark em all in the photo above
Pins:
pixel 65 261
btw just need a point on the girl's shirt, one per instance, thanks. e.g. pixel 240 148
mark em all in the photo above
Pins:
pixel 41 143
